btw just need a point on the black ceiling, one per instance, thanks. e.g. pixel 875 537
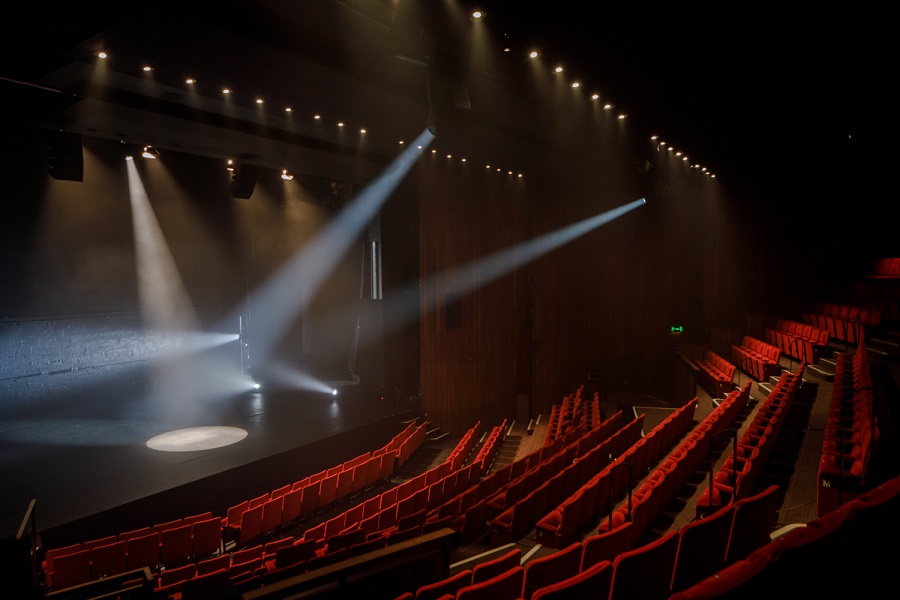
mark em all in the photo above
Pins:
pixel 745 86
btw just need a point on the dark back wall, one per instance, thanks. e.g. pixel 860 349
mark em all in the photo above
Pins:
pixel 71 301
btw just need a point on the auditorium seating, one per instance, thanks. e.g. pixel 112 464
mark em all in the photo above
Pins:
pixel 851 432
pixel 645 572
pixel 844 322
pixel 737 476
pixel 715 375
pixel 756 358
pixel 592 582
pixel 801 341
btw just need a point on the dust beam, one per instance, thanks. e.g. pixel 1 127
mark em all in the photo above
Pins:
pixel 405 305
pixel 165 304
pixel 289 292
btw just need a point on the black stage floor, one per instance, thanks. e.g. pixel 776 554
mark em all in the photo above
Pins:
pixel 83 454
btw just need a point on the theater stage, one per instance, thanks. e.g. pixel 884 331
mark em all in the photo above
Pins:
pixel 83 454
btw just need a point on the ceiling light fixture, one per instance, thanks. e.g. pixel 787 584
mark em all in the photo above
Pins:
pixel 576 84
pixel 147 68
pixel 190 81
pixel 285 175
pixel 558 69
pixel 102 54
pixel 226 91
pixel 533 54
pixel 150 152
pixel 478 15
pixel 595 96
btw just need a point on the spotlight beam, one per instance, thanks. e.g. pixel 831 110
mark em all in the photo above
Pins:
pixel 495 266
pixel 290 291
pixel 405 305
pixel 165 304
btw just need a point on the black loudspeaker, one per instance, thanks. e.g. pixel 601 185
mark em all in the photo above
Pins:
pixel 65 160
pixel 243 180
pixel 448 96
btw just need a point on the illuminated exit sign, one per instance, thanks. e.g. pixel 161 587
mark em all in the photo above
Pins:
pixel 676 329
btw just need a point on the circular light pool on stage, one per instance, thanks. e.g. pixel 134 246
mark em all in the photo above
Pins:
pixel 196 438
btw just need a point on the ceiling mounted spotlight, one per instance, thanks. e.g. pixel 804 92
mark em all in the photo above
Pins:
pixel 478 15
pixel 285 175
pixel 533 54
pixel 150 152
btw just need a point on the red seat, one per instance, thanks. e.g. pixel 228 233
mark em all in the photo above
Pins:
pixel 71 569
pixel 271 515
pixel 143 551
pixel 645 572
pixel 753 521
pixel 206 537
pixel 176 545
pixel 593 582
pixel 701 548
pixel 505 586
pixel 448 585
pixel 491 568
pixel 546 570
pixel 108 560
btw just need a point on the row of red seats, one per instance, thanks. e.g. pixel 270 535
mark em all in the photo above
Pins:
pixel 842 321
pixel 851 432
pixel 737 476
pixel 882 295
pixel 197 536
pixel 801 341
pixel 651 496
pixel 466 510
pixel 756 358
pixel 716 375
pixel 514 510
pixel 606 566
pixel 558 526
pixel 536 469
pixel 460 453
pixel 397 514
pixel 847 553
pixel 162 545
pixel 250 519
pixel 886 268
pixel 491 446
pixel 563 416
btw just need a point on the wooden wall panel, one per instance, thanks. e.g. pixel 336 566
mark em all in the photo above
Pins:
pixel 471 357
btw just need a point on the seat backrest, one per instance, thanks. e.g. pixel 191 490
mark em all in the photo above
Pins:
pixel 701 548
pixel 752 522
pixel 71 569
pixel 543 571
pixel 593 582
pixel 448 585
pixel 206 537
pixel 607 545
pixel 646 571
pixel 108 560
pixel 143 551
pixel 505 585
pixel 495 566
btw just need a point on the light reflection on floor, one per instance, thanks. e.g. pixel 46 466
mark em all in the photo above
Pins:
pixel 196 438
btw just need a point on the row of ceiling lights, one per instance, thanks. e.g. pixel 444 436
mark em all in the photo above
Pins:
pixel 480 15
pixel 475 16
pixel 288 109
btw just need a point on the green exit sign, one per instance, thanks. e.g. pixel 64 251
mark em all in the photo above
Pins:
pixel 676 329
